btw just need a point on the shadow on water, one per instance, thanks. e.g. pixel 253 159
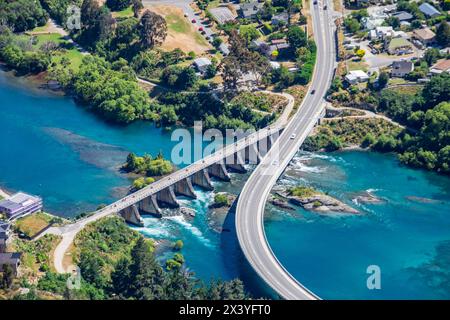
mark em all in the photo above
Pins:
pixel 230 248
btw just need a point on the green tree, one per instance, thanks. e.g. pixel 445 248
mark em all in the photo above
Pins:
pixel 118 5
pixel 443 34
pixel 153 29
pixel 7 277
pixel 296 37
pixel 383 80
pixel 146 275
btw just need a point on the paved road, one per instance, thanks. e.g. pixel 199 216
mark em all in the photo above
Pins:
pixel 251 203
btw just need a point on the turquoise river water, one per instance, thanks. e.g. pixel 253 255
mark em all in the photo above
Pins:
pixel 53 148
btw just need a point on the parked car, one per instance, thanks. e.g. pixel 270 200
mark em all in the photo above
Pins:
pixel 193 21
pixel 314 91
pixel 200 29
pixel 325 7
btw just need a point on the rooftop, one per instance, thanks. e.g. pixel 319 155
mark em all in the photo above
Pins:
pixel 442 65
pixel 428 9
pixel 403 15
pixel 403 66
pixel 358 73
pixel 9 257
pixel 222 14
pixel 425 33
pixel 251 8
pixel 399 43
pixel 201 62
pixel 18 201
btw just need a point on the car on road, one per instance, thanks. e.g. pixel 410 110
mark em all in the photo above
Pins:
pixel 275 163
pixel 314 91
pixel 293 136
pixel 193 21
pixel 325 7
pixel 315 2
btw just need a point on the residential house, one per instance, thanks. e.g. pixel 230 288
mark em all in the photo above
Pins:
pixel 428 10
pixel 201 64
pixel 372 23
pixel 442 65
pixel 222 14
pixel 401 68
pixel 425 35
pixel 281 18
pixel 384 32
pixel 250 9
pixel 398 46
pixel 10 258
pixel 403 16
pixel 20 204
pixel 355 76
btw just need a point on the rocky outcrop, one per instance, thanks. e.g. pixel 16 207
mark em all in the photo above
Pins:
pixel 319 202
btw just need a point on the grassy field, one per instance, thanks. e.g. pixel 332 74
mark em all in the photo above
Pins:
pixel 125 13
pixel 181 33
pixel 33 224
pixel 69 52
pixel 177 23
pixel 41 29
pixel 357 65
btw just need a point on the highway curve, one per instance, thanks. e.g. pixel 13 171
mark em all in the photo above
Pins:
pixel 252 200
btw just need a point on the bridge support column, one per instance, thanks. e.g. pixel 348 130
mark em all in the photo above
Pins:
pixel 219 171
pixel 236 162
pixel 201 179
pixel 150 205
pixel 184 188
pixel 131 215
pixel 167 197
pixel 251 154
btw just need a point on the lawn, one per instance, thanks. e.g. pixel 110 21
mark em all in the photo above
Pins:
pixel 357 65
pixel 33 224
pixel 70 51
pixel 125 13
pixel 181 33
pixel 177 23
pixel 41 29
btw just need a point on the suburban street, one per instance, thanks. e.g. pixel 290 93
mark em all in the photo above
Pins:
pixel 251 203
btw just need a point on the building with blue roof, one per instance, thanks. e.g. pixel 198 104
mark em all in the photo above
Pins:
pixel 428 10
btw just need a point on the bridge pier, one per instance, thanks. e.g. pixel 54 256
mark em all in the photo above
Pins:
pixel 131 215
pixel 219 171
pixel 167 197
pixel 236 162
pixel 251 154
pixel 201 179
pixel 184 188
pixel 150 205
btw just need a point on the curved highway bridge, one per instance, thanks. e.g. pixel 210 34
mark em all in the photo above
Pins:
pixel 251 203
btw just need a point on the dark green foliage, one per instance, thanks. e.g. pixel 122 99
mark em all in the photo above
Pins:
pixel 118 5
pixel 443 34
pixel 113 93
pixel 296 37
pixel 22 15
pixel 148 165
